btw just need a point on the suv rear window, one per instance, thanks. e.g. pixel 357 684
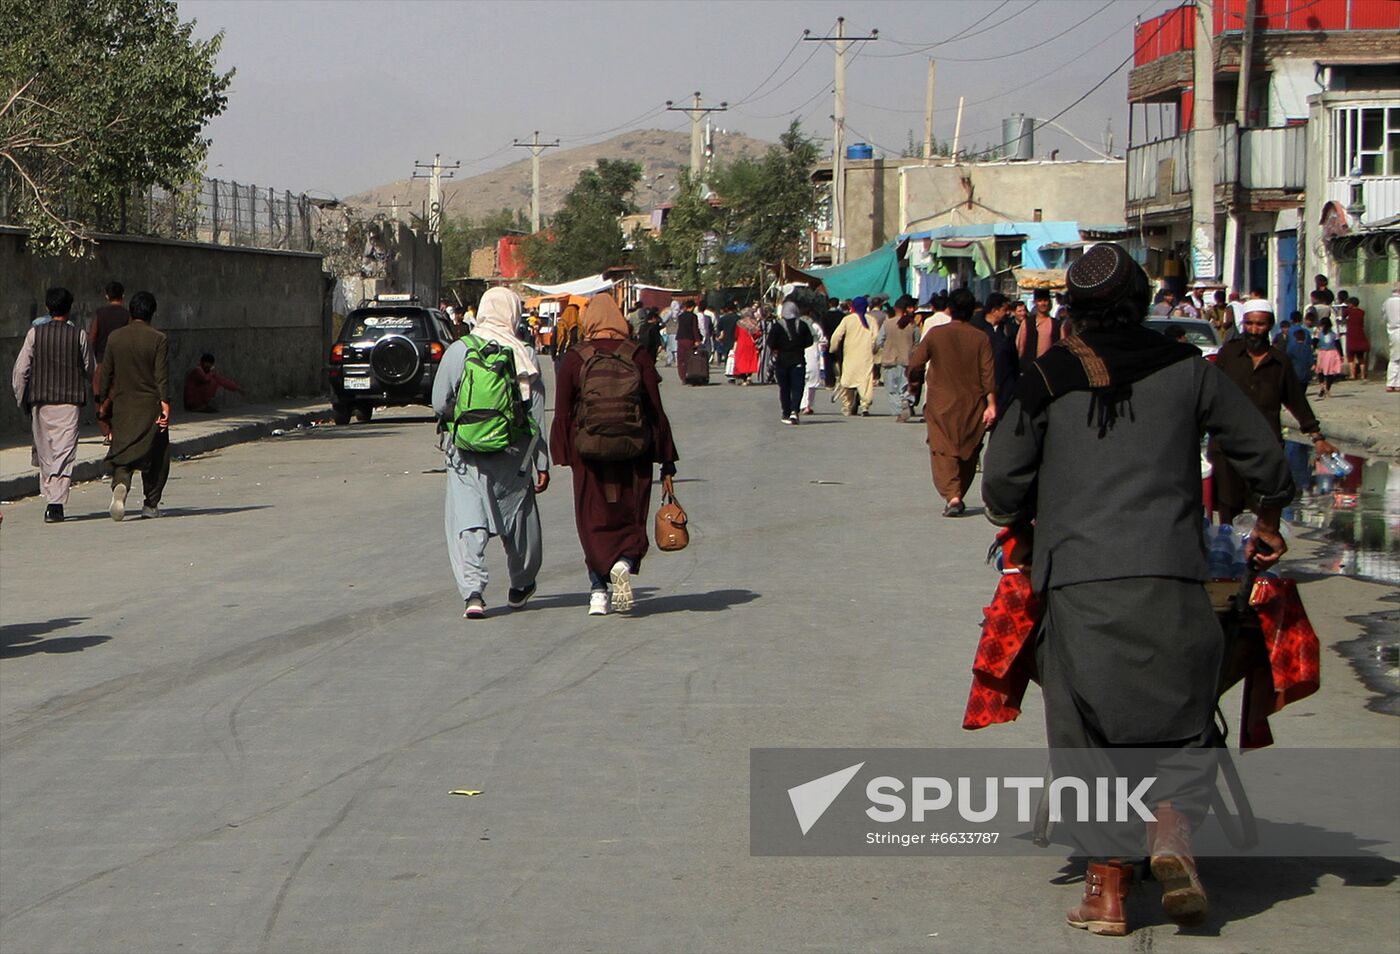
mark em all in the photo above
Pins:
pixel 373 324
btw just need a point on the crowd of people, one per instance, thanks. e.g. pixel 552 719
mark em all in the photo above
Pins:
pixel 1329 336
pixel 1092 426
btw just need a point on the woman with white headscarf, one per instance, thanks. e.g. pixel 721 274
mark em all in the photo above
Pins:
pixel 493 494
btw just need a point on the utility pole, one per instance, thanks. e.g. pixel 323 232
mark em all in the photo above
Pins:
pixel 536 147
pixel 436 173
pixel 394 205
pixel 928 112
pixel 697 142
pixel 957 130
pixel 842 43
pixel 1234 251
pixel 1204 266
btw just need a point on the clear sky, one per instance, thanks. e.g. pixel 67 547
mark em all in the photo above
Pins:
pixel 334 96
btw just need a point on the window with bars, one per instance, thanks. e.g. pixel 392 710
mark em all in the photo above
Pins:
pixel 1365 141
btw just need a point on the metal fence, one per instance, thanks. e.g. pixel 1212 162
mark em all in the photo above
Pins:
pixel 211 210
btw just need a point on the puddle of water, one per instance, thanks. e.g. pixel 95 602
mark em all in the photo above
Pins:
pixel 1356 517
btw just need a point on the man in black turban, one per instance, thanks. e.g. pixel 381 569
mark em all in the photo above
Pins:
pixel 1100 449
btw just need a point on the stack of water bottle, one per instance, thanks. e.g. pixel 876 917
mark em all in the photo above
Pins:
pixel 1225 545
pixel 1225 549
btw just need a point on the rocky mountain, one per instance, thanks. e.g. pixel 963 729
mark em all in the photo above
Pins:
pixel 662 155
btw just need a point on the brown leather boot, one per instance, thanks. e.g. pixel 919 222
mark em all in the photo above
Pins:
pixel 1183 897
pixel 1105 893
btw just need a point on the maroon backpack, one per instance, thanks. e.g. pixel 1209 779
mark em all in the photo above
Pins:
pixel 611 422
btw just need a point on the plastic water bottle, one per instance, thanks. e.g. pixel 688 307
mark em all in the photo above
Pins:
pixel 1337 464
pixel 1221 558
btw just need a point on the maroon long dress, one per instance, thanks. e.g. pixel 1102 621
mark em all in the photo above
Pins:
pixel 612 500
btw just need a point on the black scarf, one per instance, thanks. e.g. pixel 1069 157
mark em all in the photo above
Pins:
pixel 1106 362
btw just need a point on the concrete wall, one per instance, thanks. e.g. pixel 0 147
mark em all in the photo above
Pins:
pixel 262 313
pixel 1090 193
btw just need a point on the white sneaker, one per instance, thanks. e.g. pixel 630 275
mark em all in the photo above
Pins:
pixel 599 604
pixel 620 583
pixel 118 507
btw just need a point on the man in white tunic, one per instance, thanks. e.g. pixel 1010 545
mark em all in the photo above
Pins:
pixel 854 339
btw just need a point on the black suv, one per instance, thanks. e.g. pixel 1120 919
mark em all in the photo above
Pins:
pixel 386 356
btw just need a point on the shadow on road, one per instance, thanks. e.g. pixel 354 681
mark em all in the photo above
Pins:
pixel 1243 888
pixel 650 605
pixel 712 602
pixel 26 639
pixel 202 511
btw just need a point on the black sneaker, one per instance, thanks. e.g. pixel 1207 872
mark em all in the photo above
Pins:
pixel 794 419
pixel 518 598
pixel 53 513
pixel 475 608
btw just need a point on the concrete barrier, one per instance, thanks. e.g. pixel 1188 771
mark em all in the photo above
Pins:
pixel 263 313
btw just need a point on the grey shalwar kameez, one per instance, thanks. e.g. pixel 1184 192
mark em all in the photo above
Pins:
pixel 1130 649
pixel 490 495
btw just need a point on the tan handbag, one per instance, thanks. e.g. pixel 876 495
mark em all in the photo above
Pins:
pixel 671 533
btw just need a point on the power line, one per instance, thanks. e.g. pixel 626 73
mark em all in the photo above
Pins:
pixel 964 35
pixel 1042 123
pixel 654 111
pixel 787 79
pixel 786 56
pixel 921 47
pixel 1033 46
pixel 815 96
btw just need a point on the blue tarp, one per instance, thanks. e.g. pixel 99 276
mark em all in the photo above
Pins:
pixel 873 274
pixel 1036 234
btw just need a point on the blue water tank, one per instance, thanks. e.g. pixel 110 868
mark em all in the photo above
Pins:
pixel 860 150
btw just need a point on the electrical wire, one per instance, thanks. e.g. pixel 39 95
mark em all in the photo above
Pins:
pixel 786 56
pixel 787 79
pixel 1077 57
pixel 921 47
pixel 1033 46
pixel 826 90
pixel 1042 123
pixel 654 111
pixel 964 35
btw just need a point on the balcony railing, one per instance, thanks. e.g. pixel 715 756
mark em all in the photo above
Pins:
pixel 1267 159
pixel 1380 195
pixel 1174 30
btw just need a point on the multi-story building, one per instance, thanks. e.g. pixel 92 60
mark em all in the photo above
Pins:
pixel 1314 133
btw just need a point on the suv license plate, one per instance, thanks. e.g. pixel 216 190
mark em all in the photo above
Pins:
pixel 357 384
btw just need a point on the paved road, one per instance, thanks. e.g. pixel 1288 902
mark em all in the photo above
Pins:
pixel 236 728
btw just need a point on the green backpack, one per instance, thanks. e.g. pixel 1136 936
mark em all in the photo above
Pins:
pixel 490 414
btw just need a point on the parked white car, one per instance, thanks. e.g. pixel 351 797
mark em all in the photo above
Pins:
pixel 1199 332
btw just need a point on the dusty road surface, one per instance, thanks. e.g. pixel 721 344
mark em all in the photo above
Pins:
pixel 236 728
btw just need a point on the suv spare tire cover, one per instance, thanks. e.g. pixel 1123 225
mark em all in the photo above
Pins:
pixel 395 360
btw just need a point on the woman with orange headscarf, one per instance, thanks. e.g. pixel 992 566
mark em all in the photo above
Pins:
pixel 612 497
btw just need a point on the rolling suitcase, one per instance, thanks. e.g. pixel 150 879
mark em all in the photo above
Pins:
pixel 697 367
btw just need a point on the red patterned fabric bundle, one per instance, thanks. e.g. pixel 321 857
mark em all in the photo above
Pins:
pixel 1003 666
pixel 1294 654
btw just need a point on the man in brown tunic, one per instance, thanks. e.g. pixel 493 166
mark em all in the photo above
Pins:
pixel 956 360
pixel 136 377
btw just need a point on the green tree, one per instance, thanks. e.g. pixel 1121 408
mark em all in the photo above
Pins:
pixel 463 235
pixel 99 98
pixel 768 206
pixel 914 148
pixel 689 229
pixel 585 236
